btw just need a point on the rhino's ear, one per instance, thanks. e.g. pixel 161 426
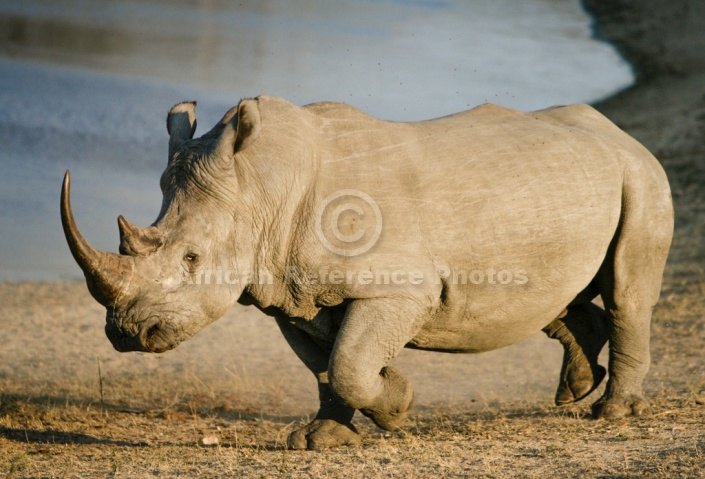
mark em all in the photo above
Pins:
pixel 181 123
pixel 248 124
pixel 242 127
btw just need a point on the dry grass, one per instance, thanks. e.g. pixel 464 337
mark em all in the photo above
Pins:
pixel 40 438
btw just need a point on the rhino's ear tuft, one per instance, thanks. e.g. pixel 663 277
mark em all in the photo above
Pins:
pixel 181 123
pixel 248 124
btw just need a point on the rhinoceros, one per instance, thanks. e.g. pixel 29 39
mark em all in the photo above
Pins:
pixel 360 236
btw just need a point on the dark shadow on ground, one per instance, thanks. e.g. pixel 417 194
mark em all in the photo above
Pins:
pixel 61 437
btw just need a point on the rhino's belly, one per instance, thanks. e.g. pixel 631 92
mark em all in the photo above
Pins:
pixel 477 335
pixel 485 307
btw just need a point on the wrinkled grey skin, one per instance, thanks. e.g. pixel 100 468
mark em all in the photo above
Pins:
pixel 562 195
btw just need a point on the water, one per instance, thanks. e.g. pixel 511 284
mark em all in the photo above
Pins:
pixel 86 85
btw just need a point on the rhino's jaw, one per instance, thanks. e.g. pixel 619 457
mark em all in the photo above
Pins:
pixel 151 335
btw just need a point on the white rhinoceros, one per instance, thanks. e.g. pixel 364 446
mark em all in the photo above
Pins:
pixel 361 236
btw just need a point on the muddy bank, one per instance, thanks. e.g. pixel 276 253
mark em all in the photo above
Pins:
pixel 665 110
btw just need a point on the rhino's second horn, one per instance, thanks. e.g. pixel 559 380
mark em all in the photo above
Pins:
pixel 136 241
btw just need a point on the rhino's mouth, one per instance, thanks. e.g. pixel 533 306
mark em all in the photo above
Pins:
pixel 151 335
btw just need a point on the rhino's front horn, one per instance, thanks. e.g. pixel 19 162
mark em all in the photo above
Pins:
pixel 107 274
pixel 136 241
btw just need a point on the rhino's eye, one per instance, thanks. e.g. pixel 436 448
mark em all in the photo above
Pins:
pixel 191 258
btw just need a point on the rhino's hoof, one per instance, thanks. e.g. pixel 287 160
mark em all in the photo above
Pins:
pixel 387 420
pixel 324 434
pixel 389 411
pixel 617 407
pixel 575 390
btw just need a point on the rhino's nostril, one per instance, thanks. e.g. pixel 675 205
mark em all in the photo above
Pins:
pixel 151 335
pixel 155 339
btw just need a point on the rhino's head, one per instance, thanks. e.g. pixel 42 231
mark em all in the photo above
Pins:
pixel 154 290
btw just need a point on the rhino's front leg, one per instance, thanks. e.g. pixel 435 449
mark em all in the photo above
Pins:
pixel 372 333
pixel 332 425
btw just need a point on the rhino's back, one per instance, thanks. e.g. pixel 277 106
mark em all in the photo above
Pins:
pixel 535 197
pixel 481 183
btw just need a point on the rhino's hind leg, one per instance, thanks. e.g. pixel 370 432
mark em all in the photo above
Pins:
pixel 630 312
pixel 629 282
pixel 582 330
pixel 332 426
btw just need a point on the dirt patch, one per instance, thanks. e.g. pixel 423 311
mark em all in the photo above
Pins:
pixel 70 406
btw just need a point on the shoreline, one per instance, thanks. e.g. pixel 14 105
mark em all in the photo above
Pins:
pixel 103 121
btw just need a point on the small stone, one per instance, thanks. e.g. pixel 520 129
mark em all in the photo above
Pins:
pixel 211 440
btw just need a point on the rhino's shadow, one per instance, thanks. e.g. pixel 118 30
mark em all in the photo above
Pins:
pixel 51 436
pixel 428 418
pixel 16 405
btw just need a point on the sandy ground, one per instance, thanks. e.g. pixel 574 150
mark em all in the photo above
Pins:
pixel 239 362
pixel 70 406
